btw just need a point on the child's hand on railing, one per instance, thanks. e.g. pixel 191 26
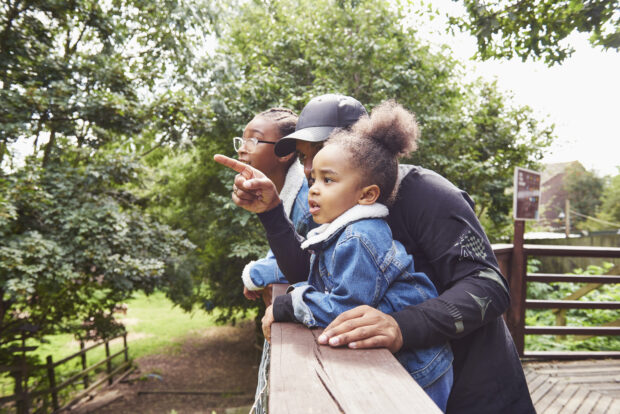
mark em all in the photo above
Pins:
pixel 267 321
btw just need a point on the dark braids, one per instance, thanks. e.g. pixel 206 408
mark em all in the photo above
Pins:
pixel 284 118
pixel 374 144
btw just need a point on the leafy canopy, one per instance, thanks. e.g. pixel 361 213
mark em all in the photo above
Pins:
pixel 536 28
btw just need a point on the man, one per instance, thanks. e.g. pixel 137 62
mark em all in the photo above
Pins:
pixel 436 223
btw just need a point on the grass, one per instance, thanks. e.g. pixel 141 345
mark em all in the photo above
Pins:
pixel 154 325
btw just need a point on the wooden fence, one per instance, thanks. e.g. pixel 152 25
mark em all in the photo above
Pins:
pixel 513 263
pixel 306 377
pixel 23 397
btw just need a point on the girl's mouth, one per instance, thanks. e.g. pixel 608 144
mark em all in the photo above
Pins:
pixel 314 207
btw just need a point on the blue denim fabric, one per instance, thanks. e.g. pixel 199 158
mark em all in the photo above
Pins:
pixel 265 271
pixel 361 264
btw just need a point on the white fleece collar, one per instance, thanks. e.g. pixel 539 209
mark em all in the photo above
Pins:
pixel 292 183
pixel 357 212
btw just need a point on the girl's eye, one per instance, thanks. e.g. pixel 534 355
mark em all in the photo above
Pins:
pixel 328 180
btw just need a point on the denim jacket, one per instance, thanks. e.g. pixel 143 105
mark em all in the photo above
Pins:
pixel 294 195
pixel 355 261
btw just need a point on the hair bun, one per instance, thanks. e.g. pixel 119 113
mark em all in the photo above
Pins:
pixel 392 126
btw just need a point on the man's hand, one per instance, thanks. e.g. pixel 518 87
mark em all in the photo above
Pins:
pixel 267 321
pixel 363 327
pixel 252 190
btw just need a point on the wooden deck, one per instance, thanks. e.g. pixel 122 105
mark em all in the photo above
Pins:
pixel 574 387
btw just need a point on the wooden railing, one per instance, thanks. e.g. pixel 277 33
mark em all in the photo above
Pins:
pixel 513 263
pixel 306 377
pixel 23 397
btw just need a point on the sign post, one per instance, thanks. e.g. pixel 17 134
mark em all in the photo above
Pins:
pixel 526 201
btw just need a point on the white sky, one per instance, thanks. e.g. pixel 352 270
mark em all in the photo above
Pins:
pixel 580 96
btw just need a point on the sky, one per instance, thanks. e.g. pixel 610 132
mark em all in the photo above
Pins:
pixel 581 96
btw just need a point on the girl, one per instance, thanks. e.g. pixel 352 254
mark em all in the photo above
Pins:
pixel 354 259
pixel 256 149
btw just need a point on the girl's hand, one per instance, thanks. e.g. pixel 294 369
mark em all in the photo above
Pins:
pixel 252 190
pixel 267 321
pixel 251 294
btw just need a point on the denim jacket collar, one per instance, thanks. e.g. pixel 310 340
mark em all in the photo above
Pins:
pixel 292 183
pixel 355 213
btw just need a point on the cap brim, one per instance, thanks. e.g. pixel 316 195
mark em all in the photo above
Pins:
pixel 286 145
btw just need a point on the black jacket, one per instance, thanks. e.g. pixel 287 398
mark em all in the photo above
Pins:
pixel 436 223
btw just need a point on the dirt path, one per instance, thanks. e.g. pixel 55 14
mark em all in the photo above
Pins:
pixel 214 372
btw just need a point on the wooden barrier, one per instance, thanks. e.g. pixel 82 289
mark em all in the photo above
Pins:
pixel 24 397
pixel 305 377
pixel 512 260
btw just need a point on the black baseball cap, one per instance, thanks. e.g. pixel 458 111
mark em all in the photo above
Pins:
pixel 319 118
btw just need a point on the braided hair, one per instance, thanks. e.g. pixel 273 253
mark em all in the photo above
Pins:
pixel 284 118
pixel 374 144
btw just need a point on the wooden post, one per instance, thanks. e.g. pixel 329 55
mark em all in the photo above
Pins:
pixel 567 218
pixel 108 362
pixel 518 289
pixel 83 357
pixel 125 346
pixel 52 379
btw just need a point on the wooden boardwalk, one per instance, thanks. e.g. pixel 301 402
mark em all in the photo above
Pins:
pixel 574 386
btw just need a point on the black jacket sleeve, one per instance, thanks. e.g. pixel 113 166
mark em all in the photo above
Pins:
pixel 293 261
pixel 438 226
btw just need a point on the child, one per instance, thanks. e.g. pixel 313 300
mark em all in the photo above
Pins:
pixel 354 259
pixel 287 174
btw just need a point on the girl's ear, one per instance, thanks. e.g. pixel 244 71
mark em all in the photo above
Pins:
pixel 369 195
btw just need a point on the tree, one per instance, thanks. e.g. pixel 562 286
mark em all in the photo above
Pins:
pixel 528 28
pixel 584 190
pixel 92 87
pixel 610 200
pixel 282 53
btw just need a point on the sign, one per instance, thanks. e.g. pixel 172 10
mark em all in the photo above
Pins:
pixel 526 199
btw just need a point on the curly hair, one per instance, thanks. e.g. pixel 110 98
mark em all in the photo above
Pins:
pixel 284 118
pixel 375 142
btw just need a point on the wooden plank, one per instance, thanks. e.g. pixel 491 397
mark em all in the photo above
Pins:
pixel 570 304
pixel 305 377
pixel 515 316
pixel 550 396
pixel 570 330
pixel 571 251
pixel 562 400
pixel 293 382
pixel 572 354
pixel 575 401
pixel 553 277
pixel 542 390
pixel 603 406
pixel 589 403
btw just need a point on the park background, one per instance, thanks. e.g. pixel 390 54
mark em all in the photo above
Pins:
pixel 110 113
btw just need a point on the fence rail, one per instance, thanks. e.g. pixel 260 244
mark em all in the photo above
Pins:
pixel 305 377
pixel 513 258
pixel 23 398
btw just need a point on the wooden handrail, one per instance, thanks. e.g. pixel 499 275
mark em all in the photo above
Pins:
pixel 305 377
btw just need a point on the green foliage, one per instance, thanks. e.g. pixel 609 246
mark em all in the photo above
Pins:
pixel 536 28
pixel 584 190
pixel 610 200
pixel 574 317
pixel 76 245
pixel 282 53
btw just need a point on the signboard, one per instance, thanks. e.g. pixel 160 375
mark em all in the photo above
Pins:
pixel 526 199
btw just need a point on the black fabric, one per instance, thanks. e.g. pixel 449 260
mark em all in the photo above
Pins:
pixel 283 309
pixel 436 223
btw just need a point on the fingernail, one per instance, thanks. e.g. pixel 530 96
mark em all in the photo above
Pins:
pixel 323 339
pixel 334 341
pixel 353 345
